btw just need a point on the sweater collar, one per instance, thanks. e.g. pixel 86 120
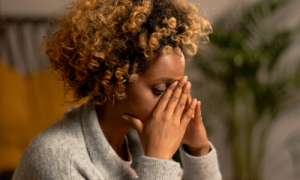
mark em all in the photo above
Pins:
pixel 101 153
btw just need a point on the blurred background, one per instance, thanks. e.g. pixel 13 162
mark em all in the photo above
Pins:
pixel 247 77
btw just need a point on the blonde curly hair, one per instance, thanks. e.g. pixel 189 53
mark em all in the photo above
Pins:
pixel 104 44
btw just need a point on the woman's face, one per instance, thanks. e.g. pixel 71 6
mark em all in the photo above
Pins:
pixel 144 94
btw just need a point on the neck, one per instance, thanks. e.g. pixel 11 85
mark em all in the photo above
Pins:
pixel 114 127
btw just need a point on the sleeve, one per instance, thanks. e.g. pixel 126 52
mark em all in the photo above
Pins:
pixel 200 168
pixel 152 169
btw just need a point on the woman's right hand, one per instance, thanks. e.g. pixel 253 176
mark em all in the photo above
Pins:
pixel 163 133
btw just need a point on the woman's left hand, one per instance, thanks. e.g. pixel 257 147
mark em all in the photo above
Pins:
pixel 195 137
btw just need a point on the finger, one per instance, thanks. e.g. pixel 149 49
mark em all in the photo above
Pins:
pixel 174 98
pixel 134 122
pixel 188 102
pixel 188 114
pixel 198 116
pixel 182 100
pixel 164 99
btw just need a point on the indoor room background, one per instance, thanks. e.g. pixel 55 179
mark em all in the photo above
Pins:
pixel 247 77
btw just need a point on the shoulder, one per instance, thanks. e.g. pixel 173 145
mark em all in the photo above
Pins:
pixel 61 134
pixel 49 154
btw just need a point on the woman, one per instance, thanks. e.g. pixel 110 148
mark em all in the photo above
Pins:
pixel 128 56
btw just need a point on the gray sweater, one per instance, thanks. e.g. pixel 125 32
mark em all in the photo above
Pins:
pixel 75 148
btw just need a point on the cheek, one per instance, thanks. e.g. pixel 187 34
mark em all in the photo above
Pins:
pixel 143 104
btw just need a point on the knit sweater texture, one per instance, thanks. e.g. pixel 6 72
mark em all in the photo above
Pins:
pixel 76 148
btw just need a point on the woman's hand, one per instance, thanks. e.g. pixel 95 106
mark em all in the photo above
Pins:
pixel 195 138
pixel 163 133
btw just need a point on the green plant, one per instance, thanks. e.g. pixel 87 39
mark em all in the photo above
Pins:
pixel 245 62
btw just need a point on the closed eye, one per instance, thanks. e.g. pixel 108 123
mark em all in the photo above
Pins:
pixel 158 92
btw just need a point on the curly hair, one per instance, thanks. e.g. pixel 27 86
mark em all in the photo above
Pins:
pixel 104 44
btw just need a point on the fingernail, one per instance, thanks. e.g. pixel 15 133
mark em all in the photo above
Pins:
pixel 194 102
pixel 175 83
pixel 183 80
pixel 125 117
pixel 186 77
pixel 187 85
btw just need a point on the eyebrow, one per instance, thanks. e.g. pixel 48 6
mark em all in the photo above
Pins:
pixel 165 79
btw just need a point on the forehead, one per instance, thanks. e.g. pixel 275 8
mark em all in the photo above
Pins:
pixel 165 66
